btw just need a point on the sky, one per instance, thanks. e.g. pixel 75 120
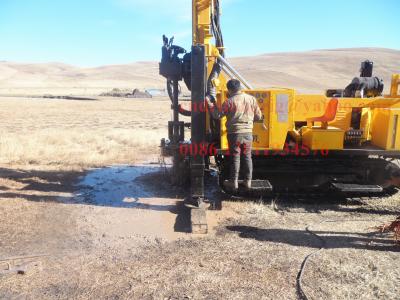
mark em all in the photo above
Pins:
pixel 103 32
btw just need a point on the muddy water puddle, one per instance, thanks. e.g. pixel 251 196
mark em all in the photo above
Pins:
pixel 137 200
pixel 118 186
pixel 131 201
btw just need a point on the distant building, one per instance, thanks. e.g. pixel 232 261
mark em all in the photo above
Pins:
pixel 136 93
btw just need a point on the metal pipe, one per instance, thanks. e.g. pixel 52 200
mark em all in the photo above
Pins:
pixel 227 72
pixel 176 111
pixel 176 100
pixel 234 72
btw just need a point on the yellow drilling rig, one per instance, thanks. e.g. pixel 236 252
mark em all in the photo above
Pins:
pixel 343 141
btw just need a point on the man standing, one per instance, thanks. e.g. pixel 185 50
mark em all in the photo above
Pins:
pixel 241 111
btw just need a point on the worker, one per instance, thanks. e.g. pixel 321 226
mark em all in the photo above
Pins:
pixel 241 111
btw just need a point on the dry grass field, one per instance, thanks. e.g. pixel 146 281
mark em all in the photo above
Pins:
pixel 68 133
pixel 72 229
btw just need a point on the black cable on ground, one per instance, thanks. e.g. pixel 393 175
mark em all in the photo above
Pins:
pixel 302 295
pixel 300 291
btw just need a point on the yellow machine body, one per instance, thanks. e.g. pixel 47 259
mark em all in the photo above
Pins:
pixel 341 140
pixel 284 109
pixel 317 138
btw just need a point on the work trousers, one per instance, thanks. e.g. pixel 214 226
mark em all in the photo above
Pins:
pixel 240 154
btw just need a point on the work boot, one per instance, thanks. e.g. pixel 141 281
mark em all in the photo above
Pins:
pixel 231 185
pixel 246 184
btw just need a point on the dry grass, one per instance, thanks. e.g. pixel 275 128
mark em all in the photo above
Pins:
pixel 80 133
pixel 256 252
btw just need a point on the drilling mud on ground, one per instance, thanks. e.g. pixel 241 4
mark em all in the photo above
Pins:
pixel 136 202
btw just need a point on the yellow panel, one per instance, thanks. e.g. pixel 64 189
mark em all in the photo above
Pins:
pixel 277 108
pixel 224 135
pixel 380 128
pixel 281 117
pixel 323 139
pixel 386 128
pixel 395 86
pixel 395 134
pixel 366 118
pixel 260 135
pixel 343 118
pixel 309 106
pixel 224 132
pixel 201 31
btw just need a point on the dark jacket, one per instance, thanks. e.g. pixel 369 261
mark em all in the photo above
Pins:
pixel 241 111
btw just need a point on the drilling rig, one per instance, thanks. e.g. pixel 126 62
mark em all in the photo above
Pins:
pixel 343 141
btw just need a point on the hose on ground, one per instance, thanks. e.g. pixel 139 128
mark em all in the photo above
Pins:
pixel 300 290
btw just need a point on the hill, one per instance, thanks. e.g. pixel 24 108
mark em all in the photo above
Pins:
pixel 311 71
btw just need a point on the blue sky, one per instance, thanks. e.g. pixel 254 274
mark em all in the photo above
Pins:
pixel 99 32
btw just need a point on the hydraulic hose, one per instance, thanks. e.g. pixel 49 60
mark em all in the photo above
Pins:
pixel 212 92
pixel 216 28
pixel 171 92
pixel 323 245
pixel 211 89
